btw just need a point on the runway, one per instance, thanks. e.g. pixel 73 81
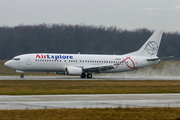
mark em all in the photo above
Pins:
pixel 88 101
pixel 9 102
pixel 94 78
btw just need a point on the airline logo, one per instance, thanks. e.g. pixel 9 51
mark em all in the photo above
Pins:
pixel 151 47
pixel 56 57
pixel 130 63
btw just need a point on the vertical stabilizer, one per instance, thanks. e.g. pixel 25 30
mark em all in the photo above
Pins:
pixel 151 46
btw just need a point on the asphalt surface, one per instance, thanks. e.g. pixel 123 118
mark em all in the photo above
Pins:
pixel 88 101
pixel 78 78
pixel 9 102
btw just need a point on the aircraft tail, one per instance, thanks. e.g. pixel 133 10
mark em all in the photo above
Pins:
pixel 151 46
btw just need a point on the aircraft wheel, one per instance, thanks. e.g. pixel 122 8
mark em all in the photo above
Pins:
pixel 89 75
pixel 22 75
pixel 83 75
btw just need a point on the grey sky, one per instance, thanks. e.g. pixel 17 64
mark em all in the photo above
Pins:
pixel 127 14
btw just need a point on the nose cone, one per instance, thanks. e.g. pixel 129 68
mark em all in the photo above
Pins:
pixel 8 64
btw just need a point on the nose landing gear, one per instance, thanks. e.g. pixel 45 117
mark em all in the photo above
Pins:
pixel 22 75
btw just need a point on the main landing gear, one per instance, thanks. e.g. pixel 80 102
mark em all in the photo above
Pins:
pixel 22 75
pixel 84 75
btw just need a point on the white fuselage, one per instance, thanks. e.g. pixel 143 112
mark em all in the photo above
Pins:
pixel 58 62
pixel 85 64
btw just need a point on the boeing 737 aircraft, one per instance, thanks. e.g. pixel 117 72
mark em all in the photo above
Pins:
pixel 84 65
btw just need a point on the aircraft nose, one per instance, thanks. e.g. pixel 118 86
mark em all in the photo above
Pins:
pixel 7 64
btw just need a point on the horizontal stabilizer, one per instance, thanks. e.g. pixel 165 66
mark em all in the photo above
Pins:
pixel 160 58
pixel 167 57
pixel 153 59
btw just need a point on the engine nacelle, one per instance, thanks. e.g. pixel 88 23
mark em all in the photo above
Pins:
pixel 73 70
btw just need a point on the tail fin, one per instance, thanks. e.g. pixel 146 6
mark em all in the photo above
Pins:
pixel 151 46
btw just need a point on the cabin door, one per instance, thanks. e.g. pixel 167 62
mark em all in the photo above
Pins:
pixel 28 60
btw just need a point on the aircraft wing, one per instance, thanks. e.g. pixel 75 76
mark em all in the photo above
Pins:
pixel 98 68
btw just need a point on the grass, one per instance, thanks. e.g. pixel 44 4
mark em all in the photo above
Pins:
pixel 93 114
pixel 51 87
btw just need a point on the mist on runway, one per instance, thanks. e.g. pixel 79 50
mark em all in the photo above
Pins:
pixel 164 69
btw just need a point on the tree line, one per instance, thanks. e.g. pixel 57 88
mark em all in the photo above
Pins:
pixel 61 38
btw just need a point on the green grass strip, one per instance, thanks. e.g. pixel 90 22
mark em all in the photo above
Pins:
pixel 52 87
pixel 93 114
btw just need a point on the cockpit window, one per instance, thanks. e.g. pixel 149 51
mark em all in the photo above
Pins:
pixel 16 59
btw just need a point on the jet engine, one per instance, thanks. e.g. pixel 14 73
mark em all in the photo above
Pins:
pixel 73 70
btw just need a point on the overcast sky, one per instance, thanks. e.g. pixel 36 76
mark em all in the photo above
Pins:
pixel 126 14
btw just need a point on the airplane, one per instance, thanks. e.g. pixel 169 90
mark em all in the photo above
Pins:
pixel 84 65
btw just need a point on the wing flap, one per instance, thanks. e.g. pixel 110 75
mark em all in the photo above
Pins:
pixel 98 68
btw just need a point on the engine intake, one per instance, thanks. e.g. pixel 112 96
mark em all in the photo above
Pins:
pixel 73 70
